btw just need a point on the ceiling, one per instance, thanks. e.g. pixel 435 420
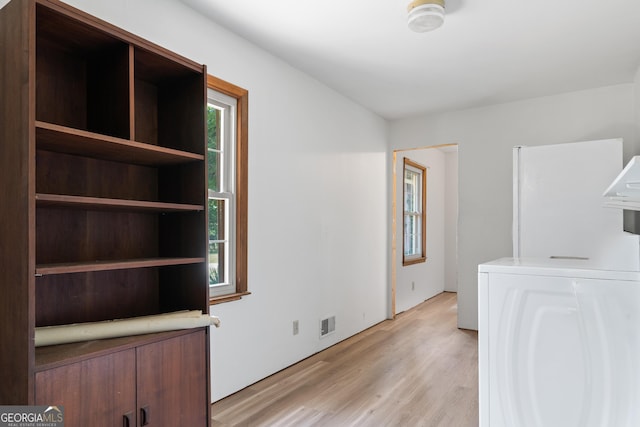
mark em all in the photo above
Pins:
pixel 487 51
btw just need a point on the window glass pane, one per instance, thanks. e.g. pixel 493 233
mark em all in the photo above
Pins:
pixel 214 147
pixel 216 219
pixel 216 263
pixel 408 250
pixel 213 130
pixel 217 240
pixel 213 171
pixel 411 191
pixel 413 234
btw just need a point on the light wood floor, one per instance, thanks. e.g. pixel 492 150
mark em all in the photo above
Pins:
pixel 417 370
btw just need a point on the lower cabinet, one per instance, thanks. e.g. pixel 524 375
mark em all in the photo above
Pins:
pixel 97 392
pixel 158 384
pixel 172 382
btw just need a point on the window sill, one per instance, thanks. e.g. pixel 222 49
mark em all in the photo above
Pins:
pixel 227 298
pixel 414 261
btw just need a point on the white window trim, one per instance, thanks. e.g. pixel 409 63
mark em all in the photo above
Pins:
pixel 228 140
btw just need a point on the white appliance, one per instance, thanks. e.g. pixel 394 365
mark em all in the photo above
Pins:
pixel 559 324
pixel 559 344
pixel 557 204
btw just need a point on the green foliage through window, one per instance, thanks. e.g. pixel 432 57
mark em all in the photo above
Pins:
pixel 213 146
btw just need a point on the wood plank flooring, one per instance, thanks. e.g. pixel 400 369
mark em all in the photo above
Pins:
pixel 417 370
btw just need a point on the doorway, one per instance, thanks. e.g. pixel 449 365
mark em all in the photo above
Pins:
pixel 414 283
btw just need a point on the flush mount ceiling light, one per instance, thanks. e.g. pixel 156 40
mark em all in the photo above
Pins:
pixel 425 15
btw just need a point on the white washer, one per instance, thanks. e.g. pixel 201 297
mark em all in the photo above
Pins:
pixel 559 344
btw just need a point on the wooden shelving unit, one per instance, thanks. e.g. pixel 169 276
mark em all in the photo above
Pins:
pixel 103 169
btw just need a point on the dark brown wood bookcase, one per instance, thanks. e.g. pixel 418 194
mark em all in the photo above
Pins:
pixel 102 216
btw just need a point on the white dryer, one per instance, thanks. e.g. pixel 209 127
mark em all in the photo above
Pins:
pixel 559 344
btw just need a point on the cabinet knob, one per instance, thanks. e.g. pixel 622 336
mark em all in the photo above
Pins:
pixel 126 419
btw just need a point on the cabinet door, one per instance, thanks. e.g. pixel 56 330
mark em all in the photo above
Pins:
pixel 172 382
pixel 563 351
pixel 95 392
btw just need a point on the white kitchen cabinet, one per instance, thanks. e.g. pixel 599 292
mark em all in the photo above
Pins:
pixel 559 345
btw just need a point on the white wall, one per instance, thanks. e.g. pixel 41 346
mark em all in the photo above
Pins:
pixel 485 137
pixel 318 209
pixel 451 222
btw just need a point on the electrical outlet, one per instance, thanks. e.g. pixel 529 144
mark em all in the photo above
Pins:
pixel 296 328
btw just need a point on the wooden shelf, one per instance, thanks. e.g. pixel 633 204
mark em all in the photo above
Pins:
pixel 67 140
pixel 85 267
pixel 56 355
pixel 98 203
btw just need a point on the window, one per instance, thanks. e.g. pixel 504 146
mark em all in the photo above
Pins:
pixel 415 197
pixel 227 190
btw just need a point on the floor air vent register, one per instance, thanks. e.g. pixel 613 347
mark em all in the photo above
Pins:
pixel 327 326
